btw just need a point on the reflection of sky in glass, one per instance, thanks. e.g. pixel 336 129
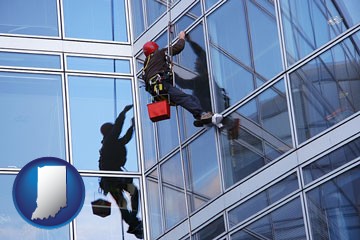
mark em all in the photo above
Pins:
pixel 15 226
pixel 92 227
pixel 30 60
pixel 92 103
pixel 33 125
pixel 99 20
pixel 98 64
pixel 30 17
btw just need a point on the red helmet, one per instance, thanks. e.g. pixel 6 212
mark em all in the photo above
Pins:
pixel 150 47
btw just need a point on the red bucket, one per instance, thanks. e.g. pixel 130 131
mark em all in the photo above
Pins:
pixel 159 110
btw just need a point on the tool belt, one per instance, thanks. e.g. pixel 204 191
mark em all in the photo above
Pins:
pixel 156 87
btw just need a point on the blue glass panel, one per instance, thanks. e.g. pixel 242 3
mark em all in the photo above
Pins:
pixel 137 17
pixel 264 199
pixel 309 24
pixel 201 170
pixel 325 91
pixel 154 9
pixel 261 130
pixel 13 59
pixel 98 64
pixel 32 122
pixel 93 102
pixel 188 18
pixel 264 41
pixel 98 20
pixel 148 137
pixel 30 17
pixel 286 222
pixel 334 207
pixel 332 161
pixel 14 227
pixel 92 227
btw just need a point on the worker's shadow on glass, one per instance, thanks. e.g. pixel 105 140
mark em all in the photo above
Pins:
pixel 112 158
pixel 199 84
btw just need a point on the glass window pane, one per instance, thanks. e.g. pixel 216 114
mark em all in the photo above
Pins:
pixel 32 118
pixel 310 24
pixel 264 40
pixel 284 223
pixel 334 207
pixel 90 226
pixel 137 17
pixel 235 44
pixel 212 230
pixel 262 200
pixel 93 102
pixel 193 75
pixel 325 91
pixel 188 18
pixel 173 191
pixel 256 134
pixel 154 9
pixel 148 131
pixel 202 170
pixel 98 20
pixel 13 59
pixel 14 227
pixel 332 161
pixel 168 137
pixel 154 209
pixel 30 17
pixel 98 64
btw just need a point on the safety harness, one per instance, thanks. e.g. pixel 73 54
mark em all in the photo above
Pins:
pixel 155 84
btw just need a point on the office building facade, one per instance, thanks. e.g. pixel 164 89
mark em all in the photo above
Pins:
pixel 284 73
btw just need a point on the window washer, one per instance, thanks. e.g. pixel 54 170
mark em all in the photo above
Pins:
pixel 158 77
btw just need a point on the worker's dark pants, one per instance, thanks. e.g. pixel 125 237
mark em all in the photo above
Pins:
pixel 189 102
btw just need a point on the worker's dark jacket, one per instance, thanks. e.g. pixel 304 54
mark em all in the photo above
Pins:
pixel 156 62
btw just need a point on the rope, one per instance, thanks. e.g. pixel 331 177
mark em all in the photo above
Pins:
pixel 169 39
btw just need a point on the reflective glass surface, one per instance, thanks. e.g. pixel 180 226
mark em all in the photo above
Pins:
pixel 93 102
pixel 173 191
pixel 14 227
pixel 154 209
pixel 188 18
pixel 138 21
pixel 30 17
pixel 332 161
pixel 90 225
pixel 326 90
pixel 32 122
pixel 148 130
pixel 98 64
pixel 154 9
pixel 238 56
pixel 211 231
pixel 201 170
pixel 168 137
pixel 192 76
pixel 255 134
pixel 308 24
pixel 262 200
pixel 284 223
pixel 98 20
pixel 334 207
pixel 14 59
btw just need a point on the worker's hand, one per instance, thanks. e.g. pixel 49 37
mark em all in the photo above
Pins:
pixel 182 35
